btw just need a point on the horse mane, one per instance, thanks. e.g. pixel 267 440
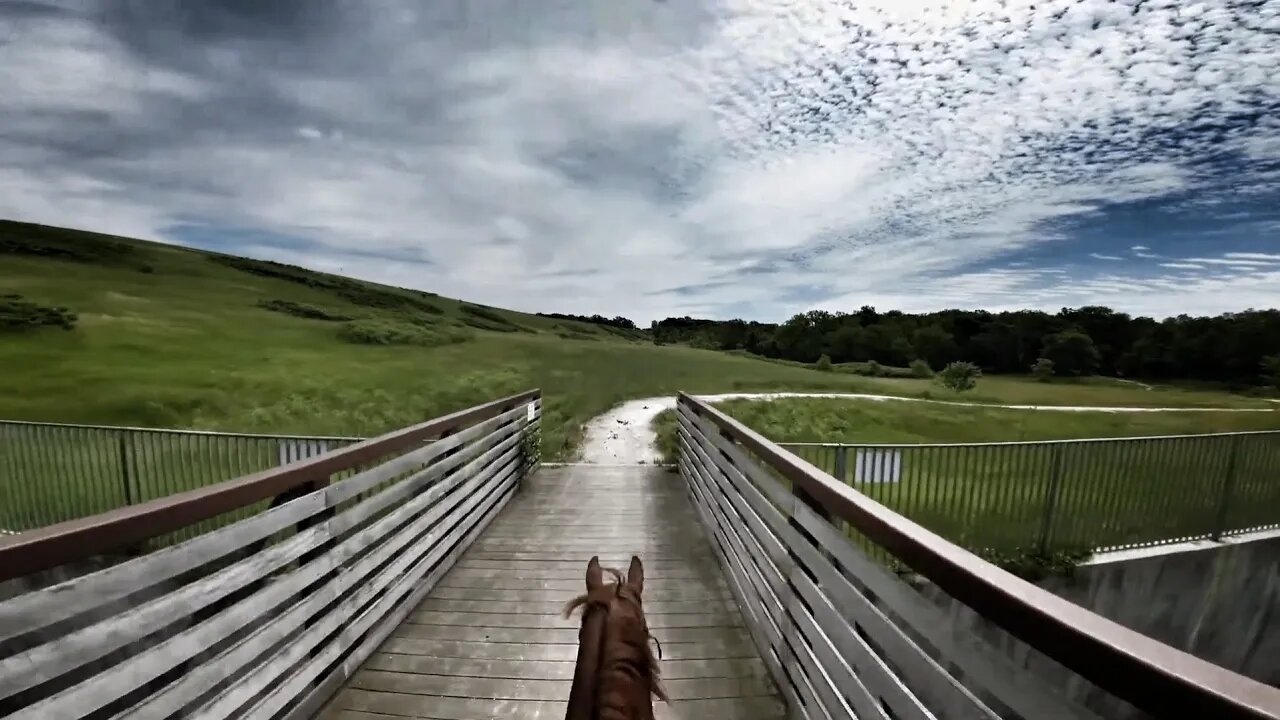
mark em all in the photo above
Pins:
pixel 614 658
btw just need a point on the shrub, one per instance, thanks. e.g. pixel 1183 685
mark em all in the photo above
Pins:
pixel 872 369
pixel 823 364
pixel 17 315
pixel 483 318
pixel 921 369
pixel 960 376
pixel 353 291
pixel 484 312
pixel 483 324
pixel 58 244
pixel 311 312
pixel 1042 369
pixel 377 332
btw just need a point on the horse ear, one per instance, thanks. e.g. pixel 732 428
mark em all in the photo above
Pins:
pixel 635 574
pixel 595 576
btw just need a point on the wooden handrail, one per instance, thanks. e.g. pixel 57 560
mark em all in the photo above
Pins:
pixel 1151 675
pixel 77 539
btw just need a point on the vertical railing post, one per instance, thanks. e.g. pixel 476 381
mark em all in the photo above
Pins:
pixel 842 463
pixel 125 482
pixel 1051 499
pixel 1228 486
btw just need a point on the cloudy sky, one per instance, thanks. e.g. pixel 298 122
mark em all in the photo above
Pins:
pixel 650 158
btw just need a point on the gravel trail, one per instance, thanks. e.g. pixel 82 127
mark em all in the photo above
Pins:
pixel 624 436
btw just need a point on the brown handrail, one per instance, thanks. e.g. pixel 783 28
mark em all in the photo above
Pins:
pixel 77 539
pixel 1154 677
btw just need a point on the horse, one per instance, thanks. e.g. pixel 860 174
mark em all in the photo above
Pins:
pixel 616 676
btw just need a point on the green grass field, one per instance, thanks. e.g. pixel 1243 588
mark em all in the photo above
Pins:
pixel 172 337
pixel 867 421
pixel 1003 498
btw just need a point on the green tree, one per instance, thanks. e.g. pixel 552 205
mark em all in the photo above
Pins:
pixel 960 376
pixel 1270 366
pixel 1072 353
pixel 849 344
pixel 824 363
pixel 1042 369
pixel 934 345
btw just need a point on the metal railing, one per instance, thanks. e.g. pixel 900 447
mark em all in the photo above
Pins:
pixel 268 616
pixel 843 636
pixel 1070 495
pixel 52 472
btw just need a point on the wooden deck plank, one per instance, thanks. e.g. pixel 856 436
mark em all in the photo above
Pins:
pixel 731 648
pixel 552 608
pixel 382 705
pixel 656 621
pixel 558 596
pixel 522 689
pixel 554 669
pixel 489 640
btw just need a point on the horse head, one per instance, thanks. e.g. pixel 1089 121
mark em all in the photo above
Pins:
pixel 616 675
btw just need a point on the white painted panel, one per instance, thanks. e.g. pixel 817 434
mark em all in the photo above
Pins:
pixel 877 465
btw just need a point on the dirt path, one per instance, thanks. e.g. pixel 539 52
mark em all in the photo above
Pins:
pixel 624 435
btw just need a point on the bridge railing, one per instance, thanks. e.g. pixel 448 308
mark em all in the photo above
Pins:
pixel 1084 495
pixel 54 472
pixel 844 636
pixel 267 616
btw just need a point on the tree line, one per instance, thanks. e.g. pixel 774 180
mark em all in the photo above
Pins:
pixel 1237 348
pixel 617 322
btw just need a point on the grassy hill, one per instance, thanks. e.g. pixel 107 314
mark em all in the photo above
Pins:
pixel 173 337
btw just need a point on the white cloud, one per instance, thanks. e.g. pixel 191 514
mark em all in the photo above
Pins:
pixel 853 151
pixel 1230 261
pixel 1270 257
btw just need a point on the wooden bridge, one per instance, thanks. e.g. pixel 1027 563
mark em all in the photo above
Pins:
pixel 420 575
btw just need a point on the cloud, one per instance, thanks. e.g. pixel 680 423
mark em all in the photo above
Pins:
pixel 647 158
pixel 1231 261
pixel 1269 257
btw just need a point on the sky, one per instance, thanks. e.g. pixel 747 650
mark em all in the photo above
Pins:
pixel 654 158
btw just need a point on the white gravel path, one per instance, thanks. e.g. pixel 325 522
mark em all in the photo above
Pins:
pixel 624 435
